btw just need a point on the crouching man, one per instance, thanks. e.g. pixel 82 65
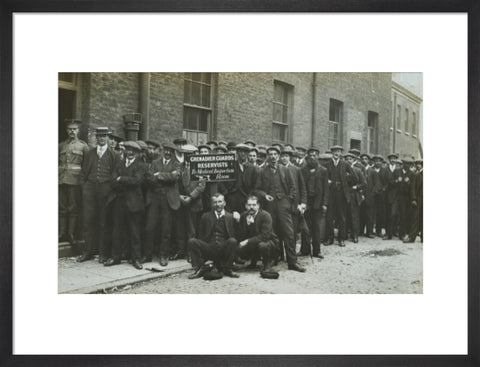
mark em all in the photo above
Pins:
pixel 216 240
pixel 257 240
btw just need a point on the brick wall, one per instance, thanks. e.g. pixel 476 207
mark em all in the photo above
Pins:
pixel 242 106
pixel 360 93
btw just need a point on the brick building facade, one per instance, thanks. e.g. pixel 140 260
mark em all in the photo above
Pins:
pixel 305 109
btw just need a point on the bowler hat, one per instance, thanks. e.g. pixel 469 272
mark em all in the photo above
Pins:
pixel 213 274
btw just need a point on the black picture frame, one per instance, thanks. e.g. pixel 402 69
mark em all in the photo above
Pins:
pixel 7 8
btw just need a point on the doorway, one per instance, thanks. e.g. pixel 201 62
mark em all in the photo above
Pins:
pixel 66 110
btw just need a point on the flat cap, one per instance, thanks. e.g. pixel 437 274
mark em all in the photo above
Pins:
pixel 301 149
pixel 132 144
pixel 153 142
pixel 354 151
pixel 274 147
pixel 378 156
pixel 212 142
pixel 313 149
pixel 180 141
pixel 189 148
pixel 269 274
pixel 220 148
pixel 288 149
pixel 351 155
pixel 250 142
pixel 231 145
pixel 169 145
pixel 365 155
pixel 336 147
pixel 204 146
pixel 142 144
pixel 242 146
pixel 392 155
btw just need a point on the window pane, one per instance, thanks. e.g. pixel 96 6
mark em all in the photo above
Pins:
pixel 206 78
pixel 197 77
pixel 414 123
pixel 279 132
pixel 278 113
pixel 195 94
pixel 204 117
pixel 285 114
pixel 276 132
pixel 66 77
pixel 205 96
pixel 187 91
pixel 335 110
pixel 278 93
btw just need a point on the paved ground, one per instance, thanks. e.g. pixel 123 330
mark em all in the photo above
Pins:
pixel 371 266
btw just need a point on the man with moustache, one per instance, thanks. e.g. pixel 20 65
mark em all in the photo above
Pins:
pixel 71 153
pixel 391 176
pixel 316 180
pixel 128 207
pixel 255 233
pixel 236 192
pixel 276 187
pixel 340 174
pixel 97 174
pixel 367 209
pixel 356 197
pixel 163 199
pixel 215 241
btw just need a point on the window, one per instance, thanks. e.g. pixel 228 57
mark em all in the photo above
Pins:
pixel 335 122
pixel 406 121
pixel 414 124
pixel 399 117
pixel 372 135
pixel 197 108
pixel 282 111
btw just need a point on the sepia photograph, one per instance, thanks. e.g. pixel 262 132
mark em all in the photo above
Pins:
pixel 240 183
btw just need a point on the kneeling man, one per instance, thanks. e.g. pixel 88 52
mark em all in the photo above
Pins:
pixel 257 240
pixel 216 240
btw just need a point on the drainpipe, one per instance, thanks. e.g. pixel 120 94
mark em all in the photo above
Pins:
pixel 144 105
pixel 314 90
pixel 394 122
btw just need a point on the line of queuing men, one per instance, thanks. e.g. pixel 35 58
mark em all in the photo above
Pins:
pixel 138 201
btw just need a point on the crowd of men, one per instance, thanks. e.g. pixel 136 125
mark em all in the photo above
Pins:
pixel 137 201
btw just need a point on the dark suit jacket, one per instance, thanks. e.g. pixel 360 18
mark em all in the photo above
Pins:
pixel 390 180
pixel 263 228
pixel 129 186
pixel 91 158
pixel 347 177
pixel 299 183
pixel 321 188
pixel 264 184
pixel 244 183
pixel 207 225
pixel 371 178
pixel 416 190
pixel 356 194
pixel 193 189
pixel 161 179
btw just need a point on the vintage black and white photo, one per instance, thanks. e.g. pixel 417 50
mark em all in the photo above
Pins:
pixel 240 182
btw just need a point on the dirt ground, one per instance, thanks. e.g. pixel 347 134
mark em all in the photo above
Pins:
pixel 371 266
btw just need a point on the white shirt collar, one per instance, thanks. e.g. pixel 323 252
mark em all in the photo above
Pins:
pixel 222 214
pixel 101 149
pixel 392 167
pixel 128 162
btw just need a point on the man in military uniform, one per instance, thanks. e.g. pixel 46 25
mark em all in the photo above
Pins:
pixel 97 174
pixel 70 155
